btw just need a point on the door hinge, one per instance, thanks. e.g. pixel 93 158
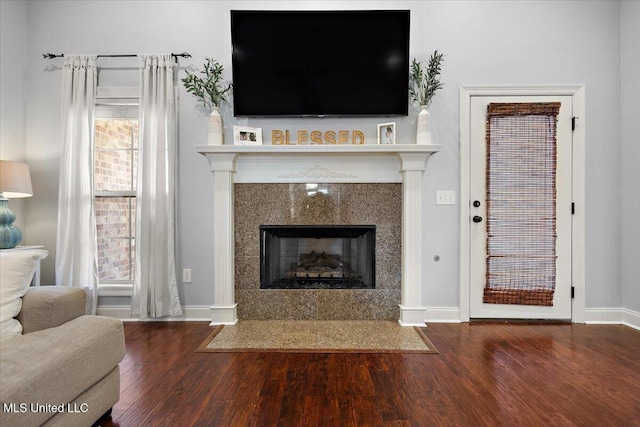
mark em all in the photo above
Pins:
pixel 573 292
pixel 573 123
pixel 573 208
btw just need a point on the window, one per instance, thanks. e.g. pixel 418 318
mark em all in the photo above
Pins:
pixel 115 176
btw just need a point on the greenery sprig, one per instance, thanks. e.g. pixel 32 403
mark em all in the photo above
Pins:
pixel 210 89
pixel 424 81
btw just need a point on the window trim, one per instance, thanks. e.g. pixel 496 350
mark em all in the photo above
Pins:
pixel 115 290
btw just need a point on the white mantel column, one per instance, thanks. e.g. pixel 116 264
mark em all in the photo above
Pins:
pixel 412 310
pixel 223 310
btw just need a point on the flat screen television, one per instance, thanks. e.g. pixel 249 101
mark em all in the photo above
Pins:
pixel 320 63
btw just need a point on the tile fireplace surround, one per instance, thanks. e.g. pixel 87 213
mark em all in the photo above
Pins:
pixel 335 204
pixel 366 175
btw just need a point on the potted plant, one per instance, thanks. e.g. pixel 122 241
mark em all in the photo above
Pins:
pixel 211 90
pixel 424 82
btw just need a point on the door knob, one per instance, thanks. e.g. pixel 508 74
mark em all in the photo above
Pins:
pixel 477 218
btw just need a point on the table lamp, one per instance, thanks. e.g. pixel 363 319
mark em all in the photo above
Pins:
pixel 15 182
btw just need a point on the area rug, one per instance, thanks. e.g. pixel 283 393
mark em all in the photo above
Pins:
pixel 324 336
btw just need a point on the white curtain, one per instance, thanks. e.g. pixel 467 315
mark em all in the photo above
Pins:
pixel 155 291
pixel 76 247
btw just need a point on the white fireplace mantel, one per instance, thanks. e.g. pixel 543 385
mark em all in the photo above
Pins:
pixel 317 164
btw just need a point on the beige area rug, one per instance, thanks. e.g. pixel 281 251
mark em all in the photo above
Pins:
pixel 325 336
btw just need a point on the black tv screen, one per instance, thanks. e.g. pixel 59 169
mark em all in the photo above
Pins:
pixel 320 63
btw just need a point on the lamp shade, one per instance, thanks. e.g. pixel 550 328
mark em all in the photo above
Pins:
pixel 15 180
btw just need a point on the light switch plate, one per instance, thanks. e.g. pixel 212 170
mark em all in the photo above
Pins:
pixel 445 197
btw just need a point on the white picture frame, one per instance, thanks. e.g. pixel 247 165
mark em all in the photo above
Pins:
pixel 386 133
pixel 243 135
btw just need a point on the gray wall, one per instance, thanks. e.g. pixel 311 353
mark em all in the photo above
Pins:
pixel 630 52
pixel 13 87
pixel 486 42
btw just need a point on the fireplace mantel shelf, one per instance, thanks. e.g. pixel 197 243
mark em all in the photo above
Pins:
pixel 324 163
pixel 317 149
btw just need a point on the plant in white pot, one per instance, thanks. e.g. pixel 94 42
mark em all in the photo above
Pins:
pixel 211 90
pixel 424 82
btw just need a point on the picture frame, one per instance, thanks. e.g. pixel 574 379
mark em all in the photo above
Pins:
pixel 387 133
pixel 243 135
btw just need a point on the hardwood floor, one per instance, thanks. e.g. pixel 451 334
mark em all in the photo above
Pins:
pixel 485 375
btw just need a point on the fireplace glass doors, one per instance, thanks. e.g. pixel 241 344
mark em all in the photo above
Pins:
pixel 317 257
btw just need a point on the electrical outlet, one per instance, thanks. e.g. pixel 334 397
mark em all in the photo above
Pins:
pixel 186 275
pixel 445 197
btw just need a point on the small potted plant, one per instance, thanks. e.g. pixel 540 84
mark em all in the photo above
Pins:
pixel 211 90
pixel 424 82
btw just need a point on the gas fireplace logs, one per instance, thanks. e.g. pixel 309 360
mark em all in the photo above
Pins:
pixel 315 265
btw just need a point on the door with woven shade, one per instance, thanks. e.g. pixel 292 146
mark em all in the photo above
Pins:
pixel 520 221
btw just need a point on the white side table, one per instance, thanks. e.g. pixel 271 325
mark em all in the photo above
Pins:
pixel 36 276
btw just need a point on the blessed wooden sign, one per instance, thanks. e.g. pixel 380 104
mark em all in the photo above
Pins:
pixel 306 137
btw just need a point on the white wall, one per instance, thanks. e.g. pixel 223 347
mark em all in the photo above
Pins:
pixel 486 42
pixel 13 87
pixel 630 52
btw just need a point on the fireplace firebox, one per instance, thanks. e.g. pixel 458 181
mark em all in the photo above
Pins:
pixel 317 257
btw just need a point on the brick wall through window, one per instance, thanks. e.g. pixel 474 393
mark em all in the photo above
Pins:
pixel 115 168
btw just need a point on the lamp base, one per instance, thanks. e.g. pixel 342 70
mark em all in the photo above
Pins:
pixel 10 235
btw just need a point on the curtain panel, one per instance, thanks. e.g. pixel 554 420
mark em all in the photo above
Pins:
pixel 155 292
pixel 76 261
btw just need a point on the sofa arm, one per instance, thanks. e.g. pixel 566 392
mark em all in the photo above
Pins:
pixel 50 306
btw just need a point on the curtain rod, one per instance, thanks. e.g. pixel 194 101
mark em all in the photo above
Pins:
pixel 61 55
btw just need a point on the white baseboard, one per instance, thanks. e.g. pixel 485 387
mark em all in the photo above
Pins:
pixel 618 316
pixel 631 318
pixel 193 313
pixel 602 315
pixel 443 315
pixel 203 313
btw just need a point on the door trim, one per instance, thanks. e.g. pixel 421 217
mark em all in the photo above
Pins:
pixel 578 253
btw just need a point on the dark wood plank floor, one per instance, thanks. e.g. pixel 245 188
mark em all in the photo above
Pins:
pixel 485 375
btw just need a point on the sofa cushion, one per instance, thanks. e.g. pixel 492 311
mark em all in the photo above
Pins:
pixel 17 268
pixel 55 365
pixel 50 306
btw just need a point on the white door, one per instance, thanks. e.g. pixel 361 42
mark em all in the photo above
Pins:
pixel 519 248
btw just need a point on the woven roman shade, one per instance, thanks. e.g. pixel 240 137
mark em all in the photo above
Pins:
pixel 521 203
